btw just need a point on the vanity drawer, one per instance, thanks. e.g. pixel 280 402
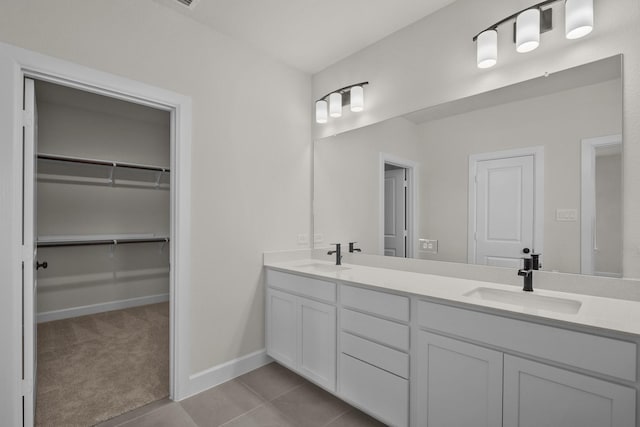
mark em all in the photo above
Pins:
pixel 591 352
pixel 380 303
pixel 305 286
pixel 378 392
pixel 380 330
pixel 377 355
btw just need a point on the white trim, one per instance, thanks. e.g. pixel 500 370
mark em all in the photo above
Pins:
pixel 224 372
pixel 538 195
pixel 15 63
pixel 412 182
pixel 84 310
pixel 588 201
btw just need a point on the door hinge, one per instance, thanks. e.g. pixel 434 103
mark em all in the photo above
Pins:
pixel 476 179
pixel 27 118
pixel 475 236
pixel 26 387
pixel 405 233
pixel 406 184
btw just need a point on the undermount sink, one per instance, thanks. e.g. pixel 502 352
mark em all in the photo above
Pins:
pixel 324 268
pixel 526 300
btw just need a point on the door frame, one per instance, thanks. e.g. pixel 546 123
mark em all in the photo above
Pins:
pixel 588 200
pixel 15 65
pixel 538 194
pixel 412 213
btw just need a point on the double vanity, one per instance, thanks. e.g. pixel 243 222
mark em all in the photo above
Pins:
pixel 415 349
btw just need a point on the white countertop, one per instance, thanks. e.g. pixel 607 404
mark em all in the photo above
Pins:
pixel 598 312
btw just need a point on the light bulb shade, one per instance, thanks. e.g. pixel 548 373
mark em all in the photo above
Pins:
pixel 528 30
pixel 357 99
pixel 322 114
pixel 578 18
pixel 487 45
pixel 335 104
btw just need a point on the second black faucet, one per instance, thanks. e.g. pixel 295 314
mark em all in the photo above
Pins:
pixel 337 252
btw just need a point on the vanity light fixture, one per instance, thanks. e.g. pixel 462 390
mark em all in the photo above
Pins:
pixel 487 48
pixel 335 104
pixel 530 23
pixel 528 30
pixel 578 18
pixel 332 103
pixel 322 112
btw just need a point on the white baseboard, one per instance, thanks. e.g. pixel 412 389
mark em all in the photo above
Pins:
pixel 217 375
pixel 66 313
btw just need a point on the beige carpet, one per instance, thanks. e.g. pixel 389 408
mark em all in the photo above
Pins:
pixel 95 367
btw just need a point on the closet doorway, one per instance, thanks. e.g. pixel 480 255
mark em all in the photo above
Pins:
pixel 97 215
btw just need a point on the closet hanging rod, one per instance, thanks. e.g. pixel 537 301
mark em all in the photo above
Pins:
pixel 96 242
pixel 69 159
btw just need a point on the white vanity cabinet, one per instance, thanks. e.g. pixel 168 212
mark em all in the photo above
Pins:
pixel 410 361
pixel 538 395
pixel 464 384
pixel 301 325
pixel 374 353
pixel 459 384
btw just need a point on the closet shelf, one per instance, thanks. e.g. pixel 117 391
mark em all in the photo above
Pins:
pixel 103 170
pixel 93 240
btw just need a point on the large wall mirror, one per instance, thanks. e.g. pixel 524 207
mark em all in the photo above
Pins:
pixel 532 167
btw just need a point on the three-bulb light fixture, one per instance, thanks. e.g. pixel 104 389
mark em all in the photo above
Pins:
pixel 530 23
pixel 331 104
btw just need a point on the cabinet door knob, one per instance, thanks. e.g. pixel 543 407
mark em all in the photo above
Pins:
pixel 40 265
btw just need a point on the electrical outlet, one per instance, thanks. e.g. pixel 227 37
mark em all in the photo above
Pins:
pixel 428 246
pixel 566 215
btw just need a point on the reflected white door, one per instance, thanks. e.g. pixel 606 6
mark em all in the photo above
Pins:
pixel 504 210
pixel 29 248
pixel 395 231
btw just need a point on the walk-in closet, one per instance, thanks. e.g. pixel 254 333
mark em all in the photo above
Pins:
pixel 102 225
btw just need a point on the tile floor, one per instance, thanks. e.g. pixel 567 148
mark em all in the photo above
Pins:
pixel 271 396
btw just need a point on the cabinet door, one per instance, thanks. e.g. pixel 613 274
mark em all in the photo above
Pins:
pixel 317 348
pixel 537 395
pixel 282 327
pixel 459 384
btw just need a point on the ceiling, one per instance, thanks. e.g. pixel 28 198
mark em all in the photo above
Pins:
pixel 308 34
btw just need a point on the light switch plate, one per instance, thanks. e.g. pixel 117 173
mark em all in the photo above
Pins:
pixel 566 215
pixel 318 238
pixel 428 246
pixel 303 239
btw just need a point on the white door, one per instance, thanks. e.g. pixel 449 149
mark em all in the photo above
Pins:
pixel 537 395
pixel 395 231
pixel 504 210
pixel 29 251
pixel 317 347
pixel 282 329
pixel 459 384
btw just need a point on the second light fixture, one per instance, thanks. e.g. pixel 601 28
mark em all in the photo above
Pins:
pixel 332 103
pixel 530 23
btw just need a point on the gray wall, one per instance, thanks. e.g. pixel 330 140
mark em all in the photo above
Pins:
pixel 250 160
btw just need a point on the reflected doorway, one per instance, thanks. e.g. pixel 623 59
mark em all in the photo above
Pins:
pixel 601 225
pixel 397 195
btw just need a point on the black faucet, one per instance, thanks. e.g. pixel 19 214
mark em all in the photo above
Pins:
pixel 527 274
pixel 535 262
pixel 337 252
pixel 353 249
